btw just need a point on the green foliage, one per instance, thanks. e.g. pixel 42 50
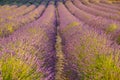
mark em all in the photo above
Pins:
pixel 71 25
pixel 102 68
pixel 18 68
pixel 111 28
pixel 10 28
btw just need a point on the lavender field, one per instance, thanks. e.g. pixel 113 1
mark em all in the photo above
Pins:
pixel 59 39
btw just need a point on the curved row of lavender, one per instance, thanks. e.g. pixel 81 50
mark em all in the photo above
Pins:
pixel 36 40
pixel 88 53
pixel 108 26
pixel 102 8
pixel 66 23
pixel 108 6
pixel 95 11
pixel 105 3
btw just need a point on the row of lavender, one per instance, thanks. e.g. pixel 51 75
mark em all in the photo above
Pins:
pixel 29 52
pixel 89 53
